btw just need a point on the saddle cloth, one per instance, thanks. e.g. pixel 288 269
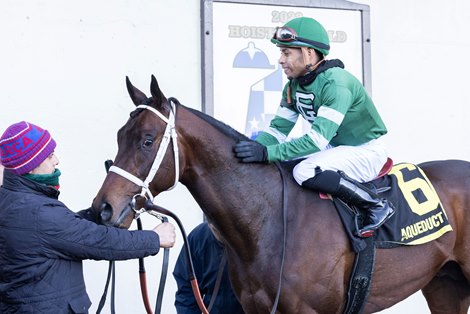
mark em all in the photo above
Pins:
pixel 419 215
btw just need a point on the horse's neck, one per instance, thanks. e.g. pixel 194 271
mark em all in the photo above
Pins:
pixel 235 197
pixel 240 199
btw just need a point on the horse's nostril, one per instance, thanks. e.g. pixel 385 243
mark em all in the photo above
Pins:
pixel 106 212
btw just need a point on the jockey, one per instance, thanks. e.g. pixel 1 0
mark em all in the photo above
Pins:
pixel 343 147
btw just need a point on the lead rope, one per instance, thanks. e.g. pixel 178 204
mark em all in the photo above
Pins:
pixel 153 209
pixel 143 277
pixel 105 292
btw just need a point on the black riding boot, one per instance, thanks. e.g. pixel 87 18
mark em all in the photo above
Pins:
pixel 378 209
pixel 349 191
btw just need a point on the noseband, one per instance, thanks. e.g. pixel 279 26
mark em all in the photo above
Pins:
pixel 170 133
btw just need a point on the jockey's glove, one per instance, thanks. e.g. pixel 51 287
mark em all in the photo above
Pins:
pixel 250 151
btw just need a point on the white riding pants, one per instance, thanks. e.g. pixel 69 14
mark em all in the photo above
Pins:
pixel 361 163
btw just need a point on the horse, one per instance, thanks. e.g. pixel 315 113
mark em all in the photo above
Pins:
pixel 244 202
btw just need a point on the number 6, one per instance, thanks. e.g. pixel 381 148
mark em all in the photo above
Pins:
pixel 408 187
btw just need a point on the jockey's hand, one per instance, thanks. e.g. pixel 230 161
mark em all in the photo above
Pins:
pixel 251 151
pixel 166 232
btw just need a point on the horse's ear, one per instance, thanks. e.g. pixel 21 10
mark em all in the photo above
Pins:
pixel 136 95
pixel 157 94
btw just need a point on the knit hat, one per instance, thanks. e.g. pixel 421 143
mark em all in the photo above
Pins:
pixel 24 146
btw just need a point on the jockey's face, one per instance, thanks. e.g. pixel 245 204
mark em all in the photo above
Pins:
pixel 294 62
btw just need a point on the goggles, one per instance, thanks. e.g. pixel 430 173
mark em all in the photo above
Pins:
pixel 286 35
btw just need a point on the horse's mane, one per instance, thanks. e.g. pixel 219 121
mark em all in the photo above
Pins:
pixel 232 133
pixel 222 127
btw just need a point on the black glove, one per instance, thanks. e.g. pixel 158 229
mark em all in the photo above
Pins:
pixel 88 214
pixel 250 151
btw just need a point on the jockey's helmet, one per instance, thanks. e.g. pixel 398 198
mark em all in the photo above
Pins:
pixel 302 32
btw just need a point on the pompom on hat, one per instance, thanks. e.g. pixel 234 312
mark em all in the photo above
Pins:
pixel 24 146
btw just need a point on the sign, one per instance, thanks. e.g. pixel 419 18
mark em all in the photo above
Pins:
pixel 242 80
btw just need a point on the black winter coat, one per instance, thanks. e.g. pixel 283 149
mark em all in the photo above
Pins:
pixel 43 243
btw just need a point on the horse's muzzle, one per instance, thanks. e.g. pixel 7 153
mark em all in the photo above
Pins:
pixel 124 219
pixel 106 213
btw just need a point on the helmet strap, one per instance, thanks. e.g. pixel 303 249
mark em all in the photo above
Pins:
pixel 289 90
pixel 308 65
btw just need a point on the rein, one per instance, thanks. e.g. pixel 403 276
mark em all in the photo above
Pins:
pixel 284 235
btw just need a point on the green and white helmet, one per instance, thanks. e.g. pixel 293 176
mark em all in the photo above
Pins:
pixel 303 32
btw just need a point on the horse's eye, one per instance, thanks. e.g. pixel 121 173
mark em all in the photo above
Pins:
pixel 147 143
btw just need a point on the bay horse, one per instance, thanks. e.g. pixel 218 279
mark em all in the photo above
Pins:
pixel 244 202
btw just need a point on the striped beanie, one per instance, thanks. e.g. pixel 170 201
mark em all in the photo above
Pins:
pixel 24 146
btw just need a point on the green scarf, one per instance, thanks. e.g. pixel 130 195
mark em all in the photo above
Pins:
pixel 51 179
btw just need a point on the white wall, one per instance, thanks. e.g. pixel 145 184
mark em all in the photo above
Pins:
pixel 63 66
pixel 420 76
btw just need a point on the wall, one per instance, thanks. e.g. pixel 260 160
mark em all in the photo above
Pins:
pixel 63 66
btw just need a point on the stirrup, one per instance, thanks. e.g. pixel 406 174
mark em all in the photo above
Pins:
pixel 365 233
pixel 361 233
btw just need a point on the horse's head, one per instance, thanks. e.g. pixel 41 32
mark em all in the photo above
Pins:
pixel 146 163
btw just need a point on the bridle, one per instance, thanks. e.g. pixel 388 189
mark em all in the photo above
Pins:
pixel 154 210
pixel 170 134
